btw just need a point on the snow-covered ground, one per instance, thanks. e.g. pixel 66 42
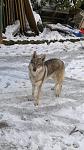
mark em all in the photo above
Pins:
pixel 57 123
pixel 47 34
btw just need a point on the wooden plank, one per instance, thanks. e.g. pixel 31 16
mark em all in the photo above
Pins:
pixel 6 12
pixel 23 14
pixel 81 25
pixel 20 15
pixel 16 9
pixel 30 16
pixel 1 2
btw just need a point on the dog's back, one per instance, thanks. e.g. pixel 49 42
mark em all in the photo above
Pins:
pixel 54 65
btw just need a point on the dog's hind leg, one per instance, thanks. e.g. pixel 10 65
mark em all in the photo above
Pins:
pixel 58 88
pixel 58 82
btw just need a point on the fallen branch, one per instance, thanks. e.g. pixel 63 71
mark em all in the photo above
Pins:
pixel 75 130
pixel 11 42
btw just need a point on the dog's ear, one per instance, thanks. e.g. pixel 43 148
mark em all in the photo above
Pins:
pixel 43 57
pixel 34 54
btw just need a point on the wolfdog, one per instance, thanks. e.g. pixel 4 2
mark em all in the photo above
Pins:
pixel 40 70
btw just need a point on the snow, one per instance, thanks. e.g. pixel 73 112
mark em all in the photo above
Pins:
pixel 76 67
pixel 12 28
pixel 37 17
pixel 71 3
pixel 39 2
pixel 47 34
pixel 47 126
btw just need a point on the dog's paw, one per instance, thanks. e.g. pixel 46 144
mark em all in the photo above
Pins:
pixel 52 88
pixel 30 98
pixel 36 103
pixel 57 95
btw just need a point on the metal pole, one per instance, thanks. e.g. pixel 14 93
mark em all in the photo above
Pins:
pixel 1 27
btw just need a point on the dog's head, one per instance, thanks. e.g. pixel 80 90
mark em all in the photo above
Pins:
pixel 37 61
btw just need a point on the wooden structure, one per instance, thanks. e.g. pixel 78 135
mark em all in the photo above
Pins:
pixel 54 16
pixel 81 25
pixel 19 10
pixel 78 18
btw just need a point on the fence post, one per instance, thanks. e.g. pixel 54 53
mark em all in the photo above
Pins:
pixel 1 26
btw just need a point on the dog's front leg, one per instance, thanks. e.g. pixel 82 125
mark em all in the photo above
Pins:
pixel 33 88
pixel 37 90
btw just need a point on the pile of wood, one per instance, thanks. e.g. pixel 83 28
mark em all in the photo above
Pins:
pixel 19 10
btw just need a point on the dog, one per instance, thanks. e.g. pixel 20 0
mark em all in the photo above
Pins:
pixel 40 70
